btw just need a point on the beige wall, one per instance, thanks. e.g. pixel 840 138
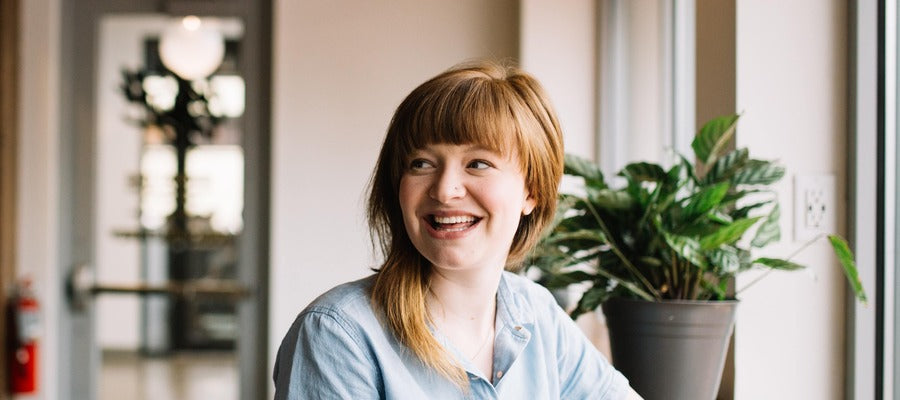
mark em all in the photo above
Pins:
pixel 791 86
pixel 558 46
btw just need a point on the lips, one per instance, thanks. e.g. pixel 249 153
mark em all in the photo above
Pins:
pixel 448 224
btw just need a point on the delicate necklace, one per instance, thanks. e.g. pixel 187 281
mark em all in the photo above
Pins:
pixel 484 342
pixel 487 338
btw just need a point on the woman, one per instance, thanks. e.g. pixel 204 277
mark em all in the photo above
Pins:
pixel 466 180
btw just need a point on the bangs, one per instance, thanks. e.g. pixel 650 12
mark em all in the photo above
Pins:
pixel 473 111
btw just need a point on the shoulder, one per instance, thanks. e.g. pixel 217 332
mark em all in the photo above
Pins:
pixel 348 297
pixel 527 301
pixel 528 289
pixel 338 319
pixel 329 346
pixel 346 306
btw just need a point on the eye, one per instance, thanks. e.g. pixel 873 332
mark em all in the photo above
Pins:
pixel 419 164
pixel 479 164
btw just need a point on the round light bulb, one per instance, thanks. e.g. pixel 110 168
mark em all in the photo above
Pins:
pixel 191 48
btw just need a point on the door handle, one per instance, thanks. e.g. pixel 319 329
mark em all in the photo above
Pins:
pixel 81 287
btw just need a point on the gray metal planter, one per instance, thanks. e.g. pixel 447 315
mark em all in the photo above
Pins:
pixel 672 350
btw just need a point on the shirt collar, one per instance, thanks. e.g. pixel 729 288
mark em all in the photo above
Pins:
pixel 512 309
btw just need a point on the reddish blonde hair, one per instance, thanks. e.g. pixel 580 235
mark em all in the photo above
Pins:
pixel 500 108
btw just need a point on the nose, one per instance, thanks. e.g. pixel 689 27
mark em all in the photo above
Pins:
pixel 448 186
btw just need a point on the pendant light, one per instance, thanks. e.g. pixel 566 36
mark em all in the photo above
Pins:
pixel 191 48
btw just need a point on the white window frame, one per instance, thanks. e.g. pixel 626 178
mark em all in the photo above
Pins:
pixel 870 333
pixel 678 71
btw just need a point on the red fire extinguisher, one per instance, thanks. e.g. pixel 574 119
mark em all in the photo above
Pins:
pixel 24 312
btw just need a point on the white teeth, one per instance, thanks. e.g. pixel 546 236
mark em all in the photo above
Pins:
pixel 454 220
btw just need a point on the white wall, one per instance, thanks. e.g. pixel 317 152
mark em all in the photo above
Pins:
pixel 558 45
pixel 38 226
pixel 340 69
pixel 791 86
pixel 645 77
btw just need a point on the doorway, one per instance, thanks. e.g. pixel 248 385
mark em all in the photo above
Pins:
pixel 164 203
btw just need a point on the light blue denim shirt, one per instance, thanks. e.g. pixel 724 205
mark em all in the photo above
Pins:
pixel 338 349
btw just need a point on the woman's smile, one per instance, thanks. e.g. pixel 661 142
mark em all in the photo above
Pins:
pixel 451 227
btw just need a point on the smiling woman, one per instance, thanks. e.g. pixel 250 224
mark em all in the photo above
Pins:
pixel 465 182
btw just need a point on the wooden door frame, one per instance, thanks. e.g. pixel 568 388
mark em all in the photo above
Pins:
pixel 9 58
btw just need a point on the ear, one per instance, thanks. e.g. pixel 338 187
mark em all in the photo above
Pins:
pixel 529 205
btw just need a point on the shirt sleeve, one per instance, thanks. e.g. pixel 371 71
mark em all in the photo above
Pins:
pixel 323 357
pixel 585 373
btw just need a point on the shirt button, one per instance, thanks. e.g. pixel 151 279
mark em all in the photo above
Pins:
pixel 518 328
pixel 499 374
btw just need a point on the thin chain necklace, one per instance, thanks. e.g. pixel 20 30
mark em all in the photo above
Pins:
pixel 487 338
pixel 484 342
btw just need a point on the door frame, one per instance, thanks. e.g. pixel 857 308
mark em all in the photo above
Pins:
pixel 78 47
pixel 9 131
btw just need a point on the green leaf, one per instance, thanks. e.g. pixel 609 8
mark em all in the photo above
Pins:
pixel 575 222
pixel 687 248
pixel 698 228
pixel 587 169
pixel 719 291
pixel 727 259
pixel 845 256
pixel 721 217
pixel 744 211
pixel 741 194
pixel 746 259
pixel 590 300
pixel 613 200
pixel 705 200
pixel 727 166
pixel 676 175
pixel 565 279
pixel 581 235
pixel 758 172
pixel 644 172
pixel 769 231
pixel 777 263
pixel 727 234
pixel 650 261
pixel 689 168
pixel 628 284
pixel 713 137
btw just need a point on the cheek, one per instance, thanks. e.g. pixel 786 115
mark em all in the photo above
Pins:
pixel 407 196
pixel 510 198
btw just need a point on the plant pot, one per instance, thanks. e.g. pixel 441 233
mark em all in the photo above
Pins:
pixel 672 350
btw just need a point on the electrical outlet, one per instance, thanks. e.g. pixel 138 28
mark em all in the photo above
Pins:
pixel 815 202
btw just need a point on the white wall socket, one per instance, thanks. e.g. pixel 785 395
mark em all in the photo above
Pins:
pixel 815 205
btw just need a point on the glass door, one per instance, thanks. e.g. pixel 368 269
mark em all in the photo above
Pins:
pixel 165 201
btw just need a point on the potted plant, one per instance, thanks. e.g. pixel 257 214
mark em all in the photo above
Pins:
pixel 660 253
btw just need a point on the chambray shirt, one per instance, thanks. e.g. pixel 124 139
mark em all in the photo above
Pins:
pixel 338 349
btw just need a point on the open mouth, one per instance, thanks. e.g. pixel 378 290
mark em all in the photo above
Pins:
pixel 452 224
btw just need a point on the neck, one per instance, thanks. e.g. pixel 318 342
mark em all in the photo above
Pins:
pixel 463 306
pixel 469 298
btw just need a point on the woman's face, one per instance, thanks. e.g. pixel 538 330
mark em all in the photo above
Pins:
pixel 461 205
